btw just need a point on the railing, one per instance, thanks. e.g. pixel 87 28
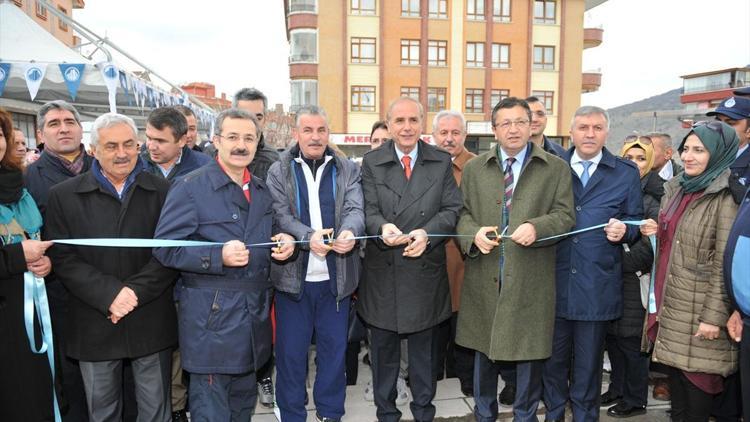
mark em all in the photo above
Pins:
pixel 302 7
pixel 715 87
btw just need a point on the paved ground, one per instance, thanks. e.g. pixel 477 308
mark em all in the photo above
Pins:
pixel 450 403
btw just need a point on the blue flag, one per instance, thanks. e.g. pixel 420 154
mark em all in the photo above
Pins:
pixel 73 75
pixel 4 76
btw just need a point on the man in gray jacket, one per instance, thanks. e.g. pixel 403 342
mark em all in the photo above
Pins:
pixel 317 197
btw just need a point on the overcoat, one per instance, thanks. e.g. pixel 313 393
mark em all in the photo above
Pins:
pixel 224 320
pixel 510 316
pixel 694 289
pixel 81 208
pixel 396 293
pixel 589 266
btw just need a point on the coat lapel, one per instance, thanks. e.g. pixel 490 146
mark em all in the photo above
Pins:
pixel 259 197
pixel 421 180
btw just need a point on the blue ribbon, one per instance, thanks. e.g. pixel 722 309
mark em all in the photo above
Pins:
pixel 35 297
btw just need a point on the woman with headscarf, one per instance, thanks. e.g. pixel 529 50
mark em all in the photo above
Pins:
pixel 25 378
pixel 688 305
pixel 628 388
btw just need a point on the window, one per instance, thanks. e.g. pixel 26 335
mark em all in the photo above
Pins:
pixel 438 9
pixel 304 46
pixel 41 11
pixel 410 52
pixel 475 54
pixel 410 91
pixel 547 98
pixel 363 7
pixel 475 10
pixel 61 23
pixel 302 6
pixel 544 57
pixel 363 50
pixel 410 8
pixel 474 100
pixel 436 99
pixel 437 53
pixel 497 95
pixel 545 11
pixel 363 98
pixel 501 10
pixel 501 56
pixel 304 92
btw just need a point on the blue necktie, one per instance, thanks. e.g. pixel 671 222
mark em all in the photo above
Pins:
pixel 585 175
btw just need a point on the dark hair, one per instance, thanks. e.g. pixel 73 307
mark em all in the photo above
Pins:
pixel 185 110
pixel 510 102
pixel 380 124
pixel 533 99
pixel 169 117
pixel 249 94
pixel 235 113
pixel 9 160
pixel 41 115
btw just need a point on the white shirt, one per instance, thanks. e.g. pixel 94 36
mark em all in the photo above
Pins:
pixel 667 172
pixel 317 267
pixel 577 165
pixel 517 165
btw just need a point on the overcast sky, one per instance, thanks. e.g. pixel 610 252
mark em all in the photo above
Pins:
pixel 648 44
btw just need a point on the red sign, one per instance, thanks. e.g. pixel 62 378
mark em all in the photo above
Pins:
pixel 361 139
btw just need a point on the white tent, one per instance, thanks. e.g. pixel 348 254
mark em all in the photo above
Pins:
pixel 24 43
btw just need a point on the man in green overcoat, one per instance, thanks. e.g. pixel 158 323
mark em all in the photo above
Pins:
pixel 508 297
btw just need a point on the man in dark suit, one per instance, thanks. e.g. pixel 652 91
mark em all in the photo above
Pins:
pixel 409 191
pixel 607 190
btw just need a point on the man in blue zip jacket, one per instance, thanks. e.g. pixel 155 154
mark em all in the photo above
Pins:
pixel 737 281
pixel 316 194
pixel 607 190
pixel 225 296
pixel 735 111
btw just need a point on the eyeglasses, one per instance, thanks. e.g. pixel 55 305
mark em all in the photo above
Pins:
pixel 505 125
pixel 248 139
pixel 645 140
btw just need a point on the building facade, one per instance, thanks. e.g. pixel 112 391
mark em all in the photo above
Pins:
pixel 355 56
pixel 38 10
pixel 702 92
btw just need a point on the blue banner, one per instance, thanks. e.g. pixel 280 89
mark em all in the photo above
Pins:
pixel 4 76
pixel 73 75
pixel 124 85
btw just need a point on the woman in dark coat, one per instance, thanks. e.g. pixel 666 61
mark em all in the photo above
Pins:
pixel 629 378
pixel 25 377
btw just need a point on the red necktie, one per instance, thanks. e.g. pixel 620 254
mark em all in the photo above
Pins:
pixel 406 160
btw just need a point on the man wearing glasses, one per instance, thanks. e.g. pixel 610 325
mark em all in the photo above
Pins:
pixel 606 189
pixel 507 310
pixel 225 296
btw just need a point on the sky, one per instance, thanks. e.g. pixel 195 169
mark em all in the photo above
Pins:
pixel 648 44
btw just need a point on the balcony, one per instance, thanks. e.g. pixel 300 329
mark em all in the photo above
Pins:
pixel 592 37
pixel 591 81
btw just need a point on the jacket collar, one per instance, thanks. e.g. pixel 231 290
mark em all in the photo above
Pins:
pixel 721 182
pixel 88 182
pixel 218 179
pixel 743 160
pixel 608 159
pixel 463 158
pixel 535 152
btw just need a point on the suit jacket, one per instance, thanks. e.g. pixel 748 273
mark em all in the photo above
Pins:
pixel 397 293
pixel 455 259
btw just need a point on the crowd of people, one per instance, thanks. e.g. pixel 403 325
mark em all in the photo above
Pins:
pixel 525 262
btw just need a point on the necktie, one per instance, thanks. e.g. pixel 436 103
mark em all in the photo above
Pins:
pixel 509 182
pixel 585 175
pixel 406 161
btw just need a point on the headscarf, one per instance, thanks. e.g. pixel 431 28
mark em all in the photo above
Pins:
pixel 648 148
pixel 722 143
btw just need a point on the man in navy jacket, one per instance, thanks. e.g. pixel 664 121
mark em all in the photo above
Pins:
pixel 167 153
pixel 735 111
pixel 225 296
pixel 607 190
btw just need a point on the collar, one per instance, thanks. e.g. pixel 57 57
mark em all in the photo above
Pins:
pixel 461 159
pixel 575 158
pixel 89 183
pixel 520 157
pixel 413 154
pixel 742 150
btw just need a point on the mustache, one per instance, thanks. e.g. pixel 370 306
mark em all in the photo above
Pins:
pixel 315 144
pixel 122 161
pixel 241 152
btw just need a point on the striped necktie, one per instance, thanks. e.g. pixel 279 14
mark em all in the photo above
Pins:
pixel 509 182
